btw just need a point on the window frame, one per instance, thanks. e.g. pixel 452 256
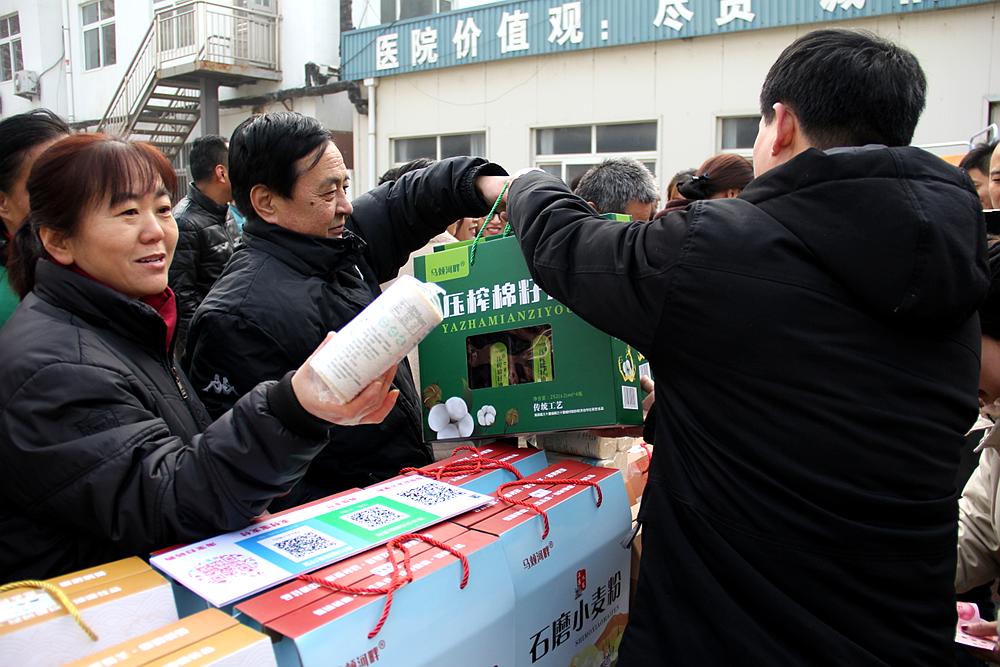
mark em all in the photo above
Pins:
pixel 8 43
pixel 99 26
pixel 566 161
pixel 744 151
pixel 437 144
pixel 399 7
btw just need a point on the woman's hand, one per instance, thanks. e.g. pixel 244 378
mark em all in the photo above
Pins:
pixel 369 407
pixel 983 629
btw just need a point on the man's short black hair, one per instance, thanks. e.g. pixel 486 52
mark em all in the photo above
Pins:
pixel 847 88
pixel 393 173
pixel 206 152
pixel 264 149
pixel 979 157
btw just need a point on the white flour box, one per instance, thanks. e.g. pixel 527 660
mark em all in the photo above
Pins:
pixel 116 601
pixel 571 583
pixel 441 613
pixel 209 638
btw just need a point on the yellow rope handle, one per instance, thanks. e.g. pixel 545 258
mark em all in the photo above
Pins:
pixel 60 597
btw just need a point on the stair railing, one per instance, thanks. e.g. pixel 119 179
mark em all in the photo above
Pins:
pixel 134 88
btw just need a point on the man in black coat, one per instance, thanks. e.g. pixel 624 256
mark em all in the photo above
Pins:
pixel 206 234
pixel 311 261
pixel 816 351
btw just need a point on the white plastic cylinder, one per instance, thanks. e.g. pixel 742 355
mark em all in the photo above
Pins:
pixel 378 337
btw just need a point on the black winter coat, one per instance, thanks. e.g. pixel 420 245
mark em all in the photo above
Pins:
pixel 816 356
pixel 283 292
pixel 205 242
pixel 105 451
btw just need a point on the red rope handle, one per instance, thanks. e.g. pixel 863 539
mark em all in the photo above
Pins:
pixel 400 575
pixel 649 457
pixel 472 466
pixel 537 510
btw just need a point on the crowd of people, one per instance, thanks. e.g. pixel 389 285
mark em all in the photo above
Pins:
pixel 823 323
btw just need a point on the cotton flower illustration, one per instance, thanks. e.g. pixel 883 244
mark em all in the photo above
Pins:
pixel 486 415
pixel 451 419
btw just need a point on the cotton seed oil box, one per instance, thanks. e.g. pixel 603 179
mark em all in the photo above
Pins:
pixel 508 358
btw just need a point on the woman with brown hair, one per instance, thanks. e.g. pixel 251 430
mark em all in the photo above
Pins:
pixel 105 450
pixel 719 177
pixel 22 139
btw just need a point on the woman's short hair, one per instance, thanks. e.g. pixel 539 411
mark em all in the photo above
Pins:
pixel 74 176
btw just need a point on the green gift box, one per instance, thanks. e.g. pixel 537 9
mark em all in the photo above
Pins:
pixel 510 359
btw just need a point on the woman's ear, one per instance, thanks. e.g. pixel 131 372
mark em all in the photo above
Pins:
pixel 5 212
pixel 57 245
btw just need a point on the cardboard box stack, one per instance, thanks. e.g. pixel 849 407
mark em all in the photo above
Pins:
pixel 209 638
pixel 116 601
pixel 531 597
pixel 430 621
pixel 510 359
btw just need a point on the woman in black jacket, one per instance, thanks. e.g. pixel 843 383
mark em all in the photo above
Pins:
pixel 105 451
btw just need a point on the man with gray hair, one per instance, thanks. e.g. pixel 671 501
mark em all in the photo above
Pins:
pixel 620 185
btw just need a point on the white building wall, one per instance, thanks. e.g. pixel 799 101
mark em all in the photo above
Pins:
pixel 309 32
pixel 684 84
pixel 93 89
pixel 41 47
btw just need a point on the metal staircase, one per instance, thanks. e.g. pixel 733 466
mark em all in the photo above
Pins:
pixel 187 45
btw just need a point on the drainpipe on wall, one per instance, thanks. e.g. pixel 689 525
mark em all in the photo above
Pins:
pixel 68 57
pixel 371 84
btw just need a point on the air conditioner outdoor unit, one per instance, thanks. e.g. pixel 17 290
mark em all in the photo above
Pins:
pixel 26 83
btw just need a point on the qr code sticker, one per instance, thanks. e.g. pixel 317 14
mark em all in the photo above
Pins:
pixel 225 567
pixel 374 517
pixel 630 398
pixel 431 493
pixel 301 543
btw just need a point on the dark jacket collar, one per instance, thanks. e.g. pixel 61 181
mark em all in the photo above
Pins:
pixel 310 255
pixel 202 200
pixel 100 306
pixel 899 227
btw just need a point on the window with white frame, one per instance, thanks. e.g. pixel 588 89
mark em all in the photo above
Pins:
pixel 98 20
pixel 397 10
pixel 994 112
pixel 437 147
pixel 737 134
pixel 11 59
pixel 568 152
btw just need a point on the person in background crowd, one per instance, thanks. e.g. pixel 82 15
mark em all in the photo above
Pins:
pixel 978 564
pixel 207 235
pixel 994 185
pixel 394 173
pixel 719 177
pixel 22 139
pixel 465 229
pixel 105 451
pixel 620 185
pixel 816 360
pixel 311 260
pixel 976 164
pixel 672 192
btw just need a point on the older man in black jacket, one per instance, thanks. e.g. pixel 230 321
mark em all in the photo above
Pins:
pixel 817 355
pixel 312 261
